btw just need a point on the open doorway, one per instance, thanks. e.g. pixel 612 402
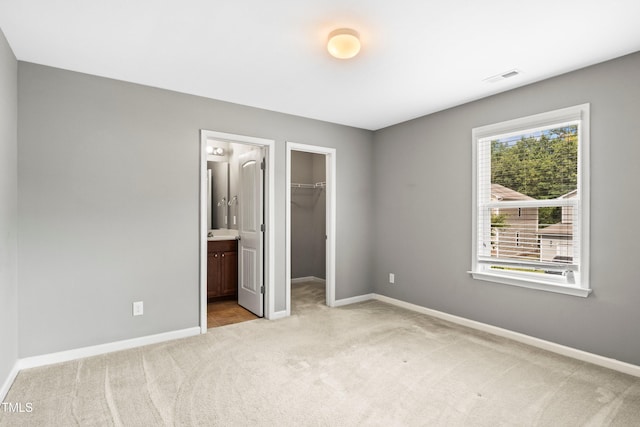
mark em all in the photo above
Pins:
pixel 310 218
pixel 236 223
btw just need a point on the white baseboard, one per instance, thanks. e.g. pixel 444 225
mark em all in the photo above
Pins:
pixel 574 353
pixel 297 280
pixel 9 381
pixel 64 356
pixel 353 300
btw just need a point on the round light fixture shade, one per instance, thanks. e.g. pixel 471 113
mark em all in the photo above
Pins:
pixel 343 43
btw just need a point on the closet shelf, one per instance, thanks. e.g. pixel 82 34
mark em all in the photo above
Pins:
pixel 316 185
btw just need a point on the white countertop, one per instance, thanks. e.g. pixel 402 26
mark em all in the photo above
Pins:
pixel 216 238
pixel 222 234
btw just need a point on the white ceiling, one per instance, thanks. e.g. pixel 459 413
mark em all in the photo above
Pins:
pixel 418 56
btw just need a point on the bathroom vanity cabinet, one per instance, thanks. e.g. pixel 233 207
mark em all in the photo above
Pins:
pixel 222 268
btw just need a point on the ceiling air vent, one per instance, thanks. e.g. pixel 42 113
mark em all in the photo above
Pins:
pixel 501 76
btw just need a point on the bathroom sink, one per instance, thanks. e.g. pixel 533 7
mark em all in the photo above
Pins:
pixel 222 234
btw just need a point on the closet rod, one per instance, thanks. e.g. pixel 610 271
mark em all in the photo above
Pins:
pixel 316 185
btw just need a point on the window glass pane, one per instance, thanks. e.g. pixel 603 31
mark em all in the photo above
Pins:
pixel 534 165
pixel 541 164
pixel 533 234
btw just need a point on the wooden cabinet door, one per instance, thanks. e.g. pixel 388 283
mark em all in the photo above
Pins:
pixel 229 270
pixel 222 268
pixel 213 273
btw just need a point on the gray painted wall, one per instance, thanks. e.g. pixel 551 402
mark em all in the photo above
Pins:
pixel 108 184
pixel 308 216
pixel 108 208
pixel 8 209
pixel 423 214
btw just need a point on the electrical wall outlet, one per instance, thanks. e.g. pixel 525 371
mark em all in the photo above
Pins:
pixel 392 278
pixel 138 308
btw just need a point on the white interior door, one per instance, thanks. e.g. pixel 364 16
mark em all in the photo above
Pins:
pixel 251 229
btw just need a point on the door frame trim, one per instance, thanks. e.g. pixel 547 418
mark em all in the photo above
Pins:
pixel 269 199
pixel 330 165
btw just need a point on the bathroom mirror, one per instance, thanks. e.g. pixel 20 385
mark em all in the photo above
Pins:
pixel 218 203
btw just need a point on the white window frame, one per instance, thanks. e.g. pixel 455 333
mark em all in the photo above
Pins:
pixel 575 282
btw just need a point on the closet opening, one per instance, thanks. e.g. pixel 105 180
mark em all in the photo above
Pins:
pixel 310 226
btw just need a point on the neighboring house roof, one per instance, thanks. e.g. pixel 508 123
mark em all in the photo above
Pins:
pixel 570 195
pixel 559 229
pixel 500 192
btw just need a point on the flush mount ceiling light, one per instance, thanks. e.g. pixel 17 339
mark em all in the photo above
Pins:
pixel 343 43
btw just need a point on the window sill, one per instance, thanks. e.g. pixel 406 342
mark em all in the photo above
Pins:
pixel 530 284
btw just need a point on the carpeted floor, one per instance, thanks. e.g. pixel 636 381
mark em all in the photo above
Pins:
pixel 368 364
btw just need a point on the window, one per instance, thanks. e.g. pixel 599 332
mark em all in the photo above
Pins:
pixel 530 202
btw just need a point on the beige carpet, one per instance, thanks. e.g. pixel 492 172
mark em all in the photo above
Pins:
pixel 369 364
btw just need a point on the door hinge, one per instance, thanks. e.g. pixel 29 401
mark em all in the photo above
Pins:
pixel 262 227
pixel 262 164
pixel 262 289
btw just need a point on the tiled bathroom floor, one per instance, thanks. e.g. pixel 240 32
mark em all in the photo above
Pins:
pixel 227 312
